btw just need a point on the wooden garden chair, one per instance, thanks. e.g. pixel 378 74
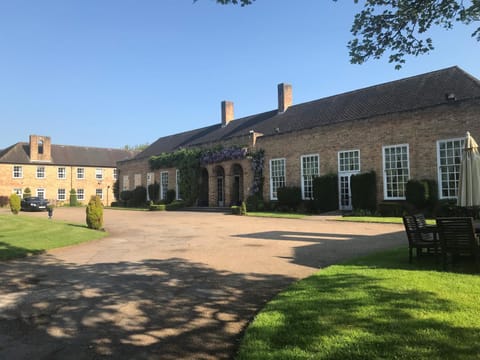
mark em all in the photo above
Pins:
pixel 420 235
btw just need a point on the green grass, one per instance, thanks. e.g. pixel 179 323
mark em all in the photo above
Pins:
pixel 378 219
pixel 277 215
pixel 23 235
pixel 377 307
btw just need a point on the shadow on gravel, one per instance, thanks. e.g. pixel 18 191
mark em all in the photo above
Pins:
pixel 153 309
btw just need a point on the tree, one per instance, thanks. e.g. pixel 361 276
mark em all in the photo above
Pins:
pixel 94 213
pixel 14 201
pixel 400 26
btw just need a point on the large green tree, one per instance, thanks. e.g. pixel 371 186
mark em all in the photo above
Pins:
pixel 399 27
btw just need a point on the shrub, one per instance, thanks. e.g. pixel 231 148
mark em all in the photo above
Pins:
pixel 3 201
pixel 416 193
pixel 27 193
pixel 175 205
pixel 125 195
pixel 139 196
pixel 116 190
pixel 14 203
pixel 289 197
pixel 153 191
pixel 170 196
pixel 364 191
pixel 392 208
pixel 243 208
pixel 255 203
pixel 325 192
pixel 94 213
pixel 235 209
pixel 73 198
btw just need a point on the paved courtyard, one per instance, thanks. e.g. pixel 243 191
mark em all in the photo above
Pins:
pixel 165 285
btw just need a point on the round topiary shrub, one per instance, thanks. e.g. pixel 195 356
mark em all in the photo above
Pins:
pixel 14 203
pixel 94 213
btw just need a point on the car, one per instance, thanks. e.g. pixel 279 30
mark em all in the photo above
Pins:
pixel 34 204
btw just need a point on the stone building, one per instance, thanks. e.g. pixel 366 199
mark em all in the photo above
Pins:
pixel 51 171
pixel 412 128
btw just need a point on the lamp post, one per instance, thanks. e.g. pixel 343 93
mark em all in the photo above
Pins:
pixel 108 190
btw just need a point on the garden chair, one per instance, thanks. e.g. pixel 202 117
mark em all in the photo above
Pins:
pixel 457 238
pixel 420 235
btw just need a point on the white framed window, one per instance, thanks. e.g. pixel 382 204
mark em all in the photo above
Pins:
pixel 115 174
pixel 396 171
pixel 99 193
pixel 80 194
pixel 177 184
pixel 61 194
pixel 310 168
pixel 80 173
pixel 18 191
pixel 40 172
pixel 125 183
pixel 137 180
pixel 449 156
pixel 99 174
pixel 62 173
pixel 349 161
pixel 163 185
pixel 41 193
pixel 17 172
pixel 277 176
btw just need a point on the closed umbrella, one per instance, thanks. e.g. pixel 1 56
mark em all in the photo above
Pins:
pixel 469 182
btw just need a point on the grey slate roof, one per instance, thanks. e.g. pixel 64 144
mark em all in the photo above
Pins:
pixel 67 155
pixel 413 93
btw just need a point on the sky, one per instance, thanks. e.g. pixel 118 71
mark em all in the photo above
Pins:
pixel 110 73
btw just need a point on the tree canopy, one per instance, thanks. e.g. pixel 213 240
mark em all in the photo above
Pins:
pixel 399 27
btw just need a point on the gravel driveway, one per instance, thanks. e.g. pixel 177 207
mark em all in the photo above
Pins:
pixel 165 285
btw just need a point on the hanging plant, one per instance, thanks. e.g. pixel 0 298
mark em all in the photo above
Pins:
pixel 258 159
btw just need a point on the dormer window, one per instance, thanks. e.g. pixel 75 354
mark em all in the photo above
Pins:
pixel 40 147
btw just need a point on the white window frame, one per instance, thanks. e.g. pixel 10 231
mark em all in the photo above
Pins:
pixel 17 172
pixel 99 193
pixel 385 184
pixel 18 191
pixel 80 173
pixel 40 191
pixel 348 153
pixel 98 174
pixel 115 174
pixel 80 194
pixel 307 179
pixel 59 172
pixel 40 170
pixel 60 196
pixel 273 190
pixel 163 184
pixel 137 180
pixel 455 173
pixel 126 183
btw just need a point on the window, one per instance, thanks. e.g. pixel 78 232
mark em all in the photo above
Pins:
pixel 41 193
pixel 80 173
pixel 310 169
pixel 61 173
pixel 395 171
pixel 99 174
pixel 99 193
pixel 115 174
pixel 17 172
pixel 349 161
pixel 449 156
pixel 126 183
pixel 40 172
pixel 80 194
pixel 163 185
pixel 40 147
pixel 61 194
pixel 137 180
pixel 19 192
pixel 277 176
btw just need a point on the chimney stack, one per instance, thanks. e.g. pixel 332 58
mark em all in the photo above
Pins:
pixel 227 112
pixel 40 148
pixel 284 97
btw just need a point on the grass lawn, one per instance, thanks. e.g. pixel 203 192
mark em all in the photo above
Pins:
pixel 277 215
pixel 23 235
pixel 377 307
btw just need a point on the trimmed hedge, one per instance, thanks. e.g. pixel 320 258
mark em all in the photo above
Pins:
pixel 15 203
pixel 3 201
pixel 94 213
pixel 325 192
pixel 289 197
pixel 159 207
pixel 175 205
pixel 364 191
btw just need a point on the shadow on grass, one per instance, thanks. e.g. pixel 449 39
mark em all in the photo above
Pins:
pixel 151 309
pixel 7 251
pixel 350 316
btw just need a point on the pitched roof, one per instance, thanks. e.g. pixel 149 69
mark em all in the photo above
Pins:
pixel 67 155
pixel 417 92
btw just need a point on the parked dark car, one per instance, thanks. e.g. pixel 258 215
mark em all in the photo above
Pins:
pixel 34 204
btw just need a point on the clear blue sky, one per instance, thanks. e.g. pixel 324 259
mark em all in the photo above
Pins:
pixel 110 73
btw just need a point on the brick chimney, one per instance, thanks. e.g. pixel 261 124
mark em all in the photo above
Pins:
pixel 40 148
pixel 227 112
pixel 284 97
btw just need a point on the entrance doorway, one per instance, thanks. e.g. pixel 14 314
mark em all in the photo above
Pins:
pixel 345 191
pixel 220 186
